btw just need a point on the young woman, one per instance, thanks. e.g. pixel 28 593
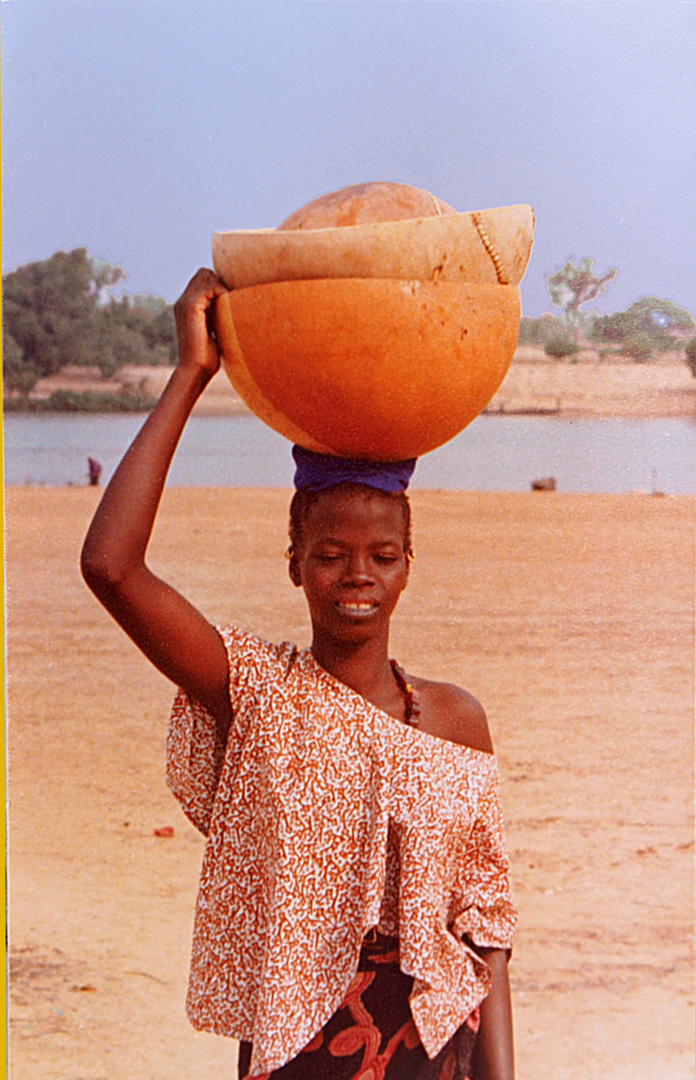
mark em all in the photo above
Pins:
pixel 354 916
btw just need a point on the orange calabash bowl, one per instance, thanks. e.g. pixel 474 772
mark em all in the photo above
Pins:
pixel 376 369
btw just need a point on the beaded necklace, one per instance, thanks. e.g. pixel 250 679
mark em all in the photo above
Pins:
pixel 411 699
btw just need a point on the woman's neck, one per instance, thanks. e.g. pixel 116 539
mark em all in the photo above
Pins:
pixel 365 668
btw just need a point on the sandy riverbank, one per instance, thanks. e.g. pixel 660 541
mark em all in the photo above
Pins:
pixel 596 388
pixel 571 617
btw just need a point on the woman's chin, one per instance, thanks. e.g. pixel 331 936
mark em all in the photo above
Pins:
pixel 355 630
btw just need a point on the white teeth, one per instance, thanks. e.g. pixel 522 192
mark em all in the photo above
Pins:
pixel 357 608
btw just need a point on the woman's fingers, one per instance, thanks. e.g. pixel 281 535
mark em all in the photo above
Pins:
pixel 192 314
pixel 203 283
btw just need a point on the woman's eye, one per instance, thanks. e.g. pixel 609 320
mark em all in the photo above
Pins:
pixel 385 560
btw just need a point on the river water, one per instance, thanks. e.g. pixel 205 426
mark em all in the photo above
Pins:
pixel 495 453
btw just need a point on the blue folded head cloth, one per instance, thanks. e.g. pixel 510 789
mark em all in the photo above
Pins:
pixel 315 472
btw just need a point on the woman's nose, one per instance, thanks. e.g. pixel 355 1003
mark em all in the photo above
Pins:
pixel 359 570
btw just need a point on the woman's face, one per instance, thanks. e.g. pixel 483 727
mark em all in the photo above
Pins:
pixel 352 564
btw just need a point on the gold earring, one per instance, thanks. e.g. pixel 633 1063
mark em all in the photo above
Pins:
pixel 410 555
pixel 289 553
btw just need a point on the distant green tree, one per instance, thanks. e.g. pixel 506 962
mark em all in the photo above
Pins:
pixel 61 311
pixel 133 332
pixel 16 375
pixel 572 286
pixel 539 331
pixel 653 309
pixel 649 325
pixel 49 310
pixel 639 347
pixel 611 329
pixel 561 346
pixel 87 401
pixel 153 305
pixel 657 317
pixel 690 356
pixel 160 333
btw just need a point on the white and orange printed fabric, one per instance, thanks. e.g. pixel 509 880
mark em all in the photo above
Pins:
pixel 326 817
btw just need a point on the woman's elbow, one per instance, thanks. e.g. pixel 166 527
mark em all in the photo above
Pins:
pixel 102 574
pixel 95 570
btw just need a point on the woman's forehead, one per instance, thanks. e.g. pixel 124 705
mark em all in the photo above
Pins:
pixel 340 509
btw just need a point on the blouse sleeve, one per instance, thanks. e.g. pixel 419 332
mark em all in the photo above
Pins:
pixel 484 910
pixel 195 751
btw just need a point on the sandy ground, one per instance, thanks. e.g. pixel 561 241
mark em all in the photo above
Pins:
pixel 534 384
pixel 570 616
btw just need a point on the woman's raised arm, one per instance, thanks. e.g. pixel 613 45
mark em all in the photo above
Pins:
pixel 169 630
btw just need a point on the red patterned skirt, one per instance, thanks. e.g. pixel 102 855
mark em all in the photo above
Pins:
pixel 372 1036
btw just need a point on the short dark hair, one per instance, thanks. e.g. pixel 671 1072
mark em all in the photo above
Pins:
pixel 303 501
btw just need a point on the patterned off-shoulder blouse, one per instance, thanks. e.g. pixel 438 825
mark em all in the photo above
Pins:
pixel 326 817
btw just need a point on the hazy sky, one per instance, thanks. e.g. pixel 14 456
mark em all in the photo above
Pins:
pixel 135 128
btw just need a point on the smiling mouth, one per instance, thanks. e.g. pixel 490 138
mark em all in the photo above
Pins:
pixel 357 608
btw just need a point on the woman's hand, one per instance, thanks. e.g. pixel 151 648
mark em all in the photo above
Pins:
pixel 192 312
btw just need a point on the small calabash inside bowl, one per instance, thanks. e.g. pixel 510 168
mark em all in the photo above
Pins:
pixel 368 368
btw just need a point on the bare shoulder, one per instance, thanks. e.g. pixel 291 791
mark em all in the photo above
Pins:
pixel 454 714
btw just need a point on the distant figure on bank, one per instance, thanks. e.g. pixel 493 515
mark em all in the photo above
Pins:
pixel 95 470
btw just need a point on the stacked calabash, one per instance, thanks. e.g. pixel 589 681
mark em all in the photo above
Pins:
pixel 376 322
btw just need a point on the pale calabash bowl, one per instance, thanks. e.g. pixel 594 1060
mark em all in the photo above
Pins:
pixel 482 246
